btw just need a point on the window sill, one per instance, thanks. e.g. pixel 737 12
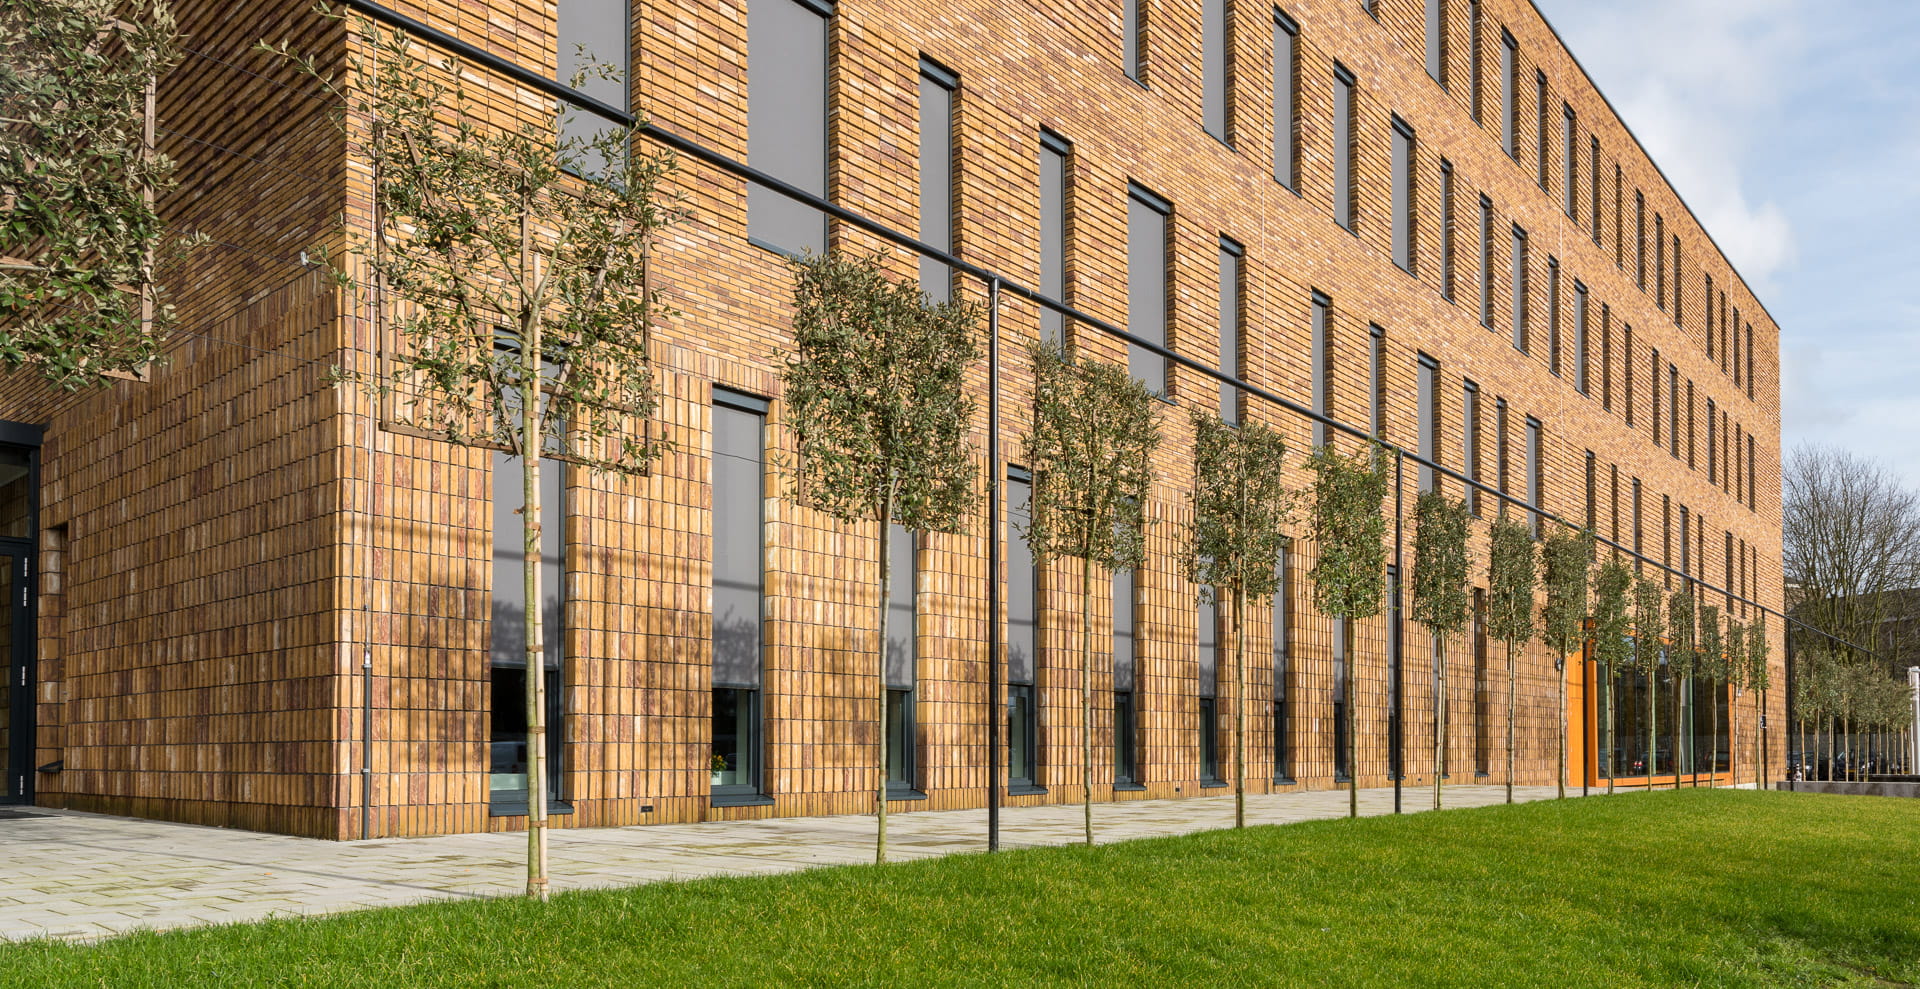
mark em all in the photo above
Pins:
pixel 517 807
pixel 742 800
pixel 1212 784
pixel 1129 788
pixel 771 249
pixel 900 792
pixel 1337 778
pixel 1285 781
pixel 1025 790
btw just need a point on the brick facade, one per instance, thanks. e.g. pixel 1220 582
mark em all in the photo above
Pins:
pixel 219 545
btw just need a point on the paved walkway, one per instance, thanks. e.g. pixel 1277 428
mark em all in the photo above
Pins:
pixel 67 874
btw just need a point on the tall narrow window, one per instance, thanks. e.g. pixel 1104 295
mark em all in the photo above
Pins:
pixel 739 595
pixel 1673 411
pixel 1482 689
pixel 1282 651
pixel 1286 127
pixel 1437 41
pixel 1753 477
pixel 787 121
pixel 1208 622
pixel 1133 40
pixel 1403 195
pixel 592 34
pixel 1713 442
pixel 1619 212
pixel 1519 276
pixel 1739 471
pixel 1637 530
pixel 1749 360
pixel 1653 382
pixel 1470 443
pixel 1446 229
pixel 1023 640
pixel 1536 476
pixel 1500 448
pixel 1692 432
pixel 1341 770
pixel 1553 317
pixel 1736 351
pixel 1486 262
pixel 1659 261
pixel 936 176
pixel 1322 355
pixel 1580 337
pixel 1626 370
pixel 1640 239
pixel 1343 205
pixel 1593 187
pixel 1540 126
pixel 507 658
pixel 1570 169
pixel 1606 357
pixel 1593 505
pixel 1126 732
pixel 1216 64
pixel 1474 97
pixel 1055 156
pixel 1230 398
pixel 1429 399
pixel 1709 317
pixel 902 661
pixel 1613 501
pixel 1510 95
pixel 1377 382
pixel 1147 262
pixel 1676 281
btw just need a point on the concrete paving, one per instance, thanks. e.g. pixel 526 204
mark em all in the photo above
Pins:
pixel 71 875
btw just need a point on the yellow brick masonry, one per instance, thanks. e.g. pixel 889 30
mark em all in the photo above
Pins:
pixel 213 533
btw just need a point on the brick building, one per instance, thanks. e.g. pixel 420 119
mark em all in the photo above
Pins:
pixel 253 597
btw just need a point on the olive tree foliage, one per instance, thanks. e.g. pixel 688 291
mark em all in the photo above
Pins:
pixel 1566 569
pixel 1091 449
pixel 1683 640
pixel 503 259
pixel 875 392
pixel 80 238
pixel 1758 679
pixel 1511 574
pixel 1649 642
pixel 1712 668
pixel 1441 576
pixel 1349 577
pixel 1612 649
pixel 1241 510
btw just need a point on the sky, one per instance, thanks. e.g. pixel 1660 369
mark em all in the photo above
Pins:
pixel 1792 128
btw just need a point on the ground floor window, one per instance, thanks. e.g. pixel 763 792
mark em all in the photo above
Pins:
pixel 901 773
pixel 1126 768
pixel 1209 741
pixel 736 742
pixel 509 741
pixel 1022 737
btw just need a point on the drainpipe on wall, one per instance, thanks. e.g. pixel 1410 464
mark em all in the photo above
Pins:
pixel 993 565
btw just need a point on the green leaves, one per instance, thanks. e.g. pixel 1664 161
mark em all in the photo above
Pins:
pixel 1611 627
pixel 1713 644
pixel 1566 564
pixel 1241 506
pixel 1510 582
pixel 1350 532
pixel 80 240
pixel 875 397
pixel 1683 634
pixel 1758 677
pixel 1091 449
pixel 1649 624
pixel 1441 562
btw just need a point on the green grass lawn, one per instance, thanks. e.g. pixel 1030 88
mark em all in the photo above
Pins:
pixel 1695 888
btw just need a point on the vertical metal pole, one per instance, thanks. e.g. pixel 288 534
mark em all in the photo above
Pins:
pixel 1399 638
pixel 994 470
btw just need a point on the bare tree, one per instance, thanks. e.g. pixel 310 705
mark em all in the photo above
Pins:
pixel 1851 536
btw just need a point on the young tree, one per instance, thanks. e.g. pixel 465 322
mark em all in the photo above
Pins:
pixel 1758 680
pixel 1649 633
pixel 509 260
pixel 1350 574
pixel 1091 447
pixel 1683 639
pixel 80 237
pixel 1441 575
pixel 875 390
pixel 1511 572
pixel 1734 678
pixel 1566 563
pixel 1241 508
pixel 1612 651
pixel 1713 670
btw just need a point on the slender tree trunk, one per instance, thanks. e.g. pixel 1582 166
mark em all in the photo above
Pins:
pixel 1239 708
pixel 1353 722
pixel 1560 745
pixel 1613 683
pixel 1513 703
pixel 1086 695
pixel 1675 734
pixel 1713 735
pixel 1439 715
pixel 536 672
pixel 886 602
pixel 1653 715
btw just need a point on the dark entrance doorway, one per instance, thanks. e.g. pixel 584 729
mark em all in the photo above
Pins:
pixel 18 481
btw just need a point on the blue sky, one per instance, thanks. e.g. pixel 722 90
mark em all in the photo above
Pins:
pixel 1793 131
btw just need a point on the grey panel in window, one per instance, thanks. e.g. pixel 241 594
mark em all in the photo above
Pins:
pixel 739 478
pixel 1123 638
pixel 1343 150
pixel 786 121
pixel 1213 66
pixel 1146 290
pixel 1282 624
pixel 1209 651
pixel 1580 337
pixel 936 185
pixel 1519 275
pixel 508 646
pixel 1429 399
pixel 1283 102
pixel 902 642
pixel 1133 50
pixel 1053 238
pixel 1322 346
pixel 1509 97
pixel 1023 626
pixel 600 27
pixel 1402 196
pixel 1436 40
pixel 1229 333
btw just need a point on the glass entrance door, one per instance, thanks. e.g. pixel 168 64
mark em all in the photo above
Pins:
pixel 16 692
